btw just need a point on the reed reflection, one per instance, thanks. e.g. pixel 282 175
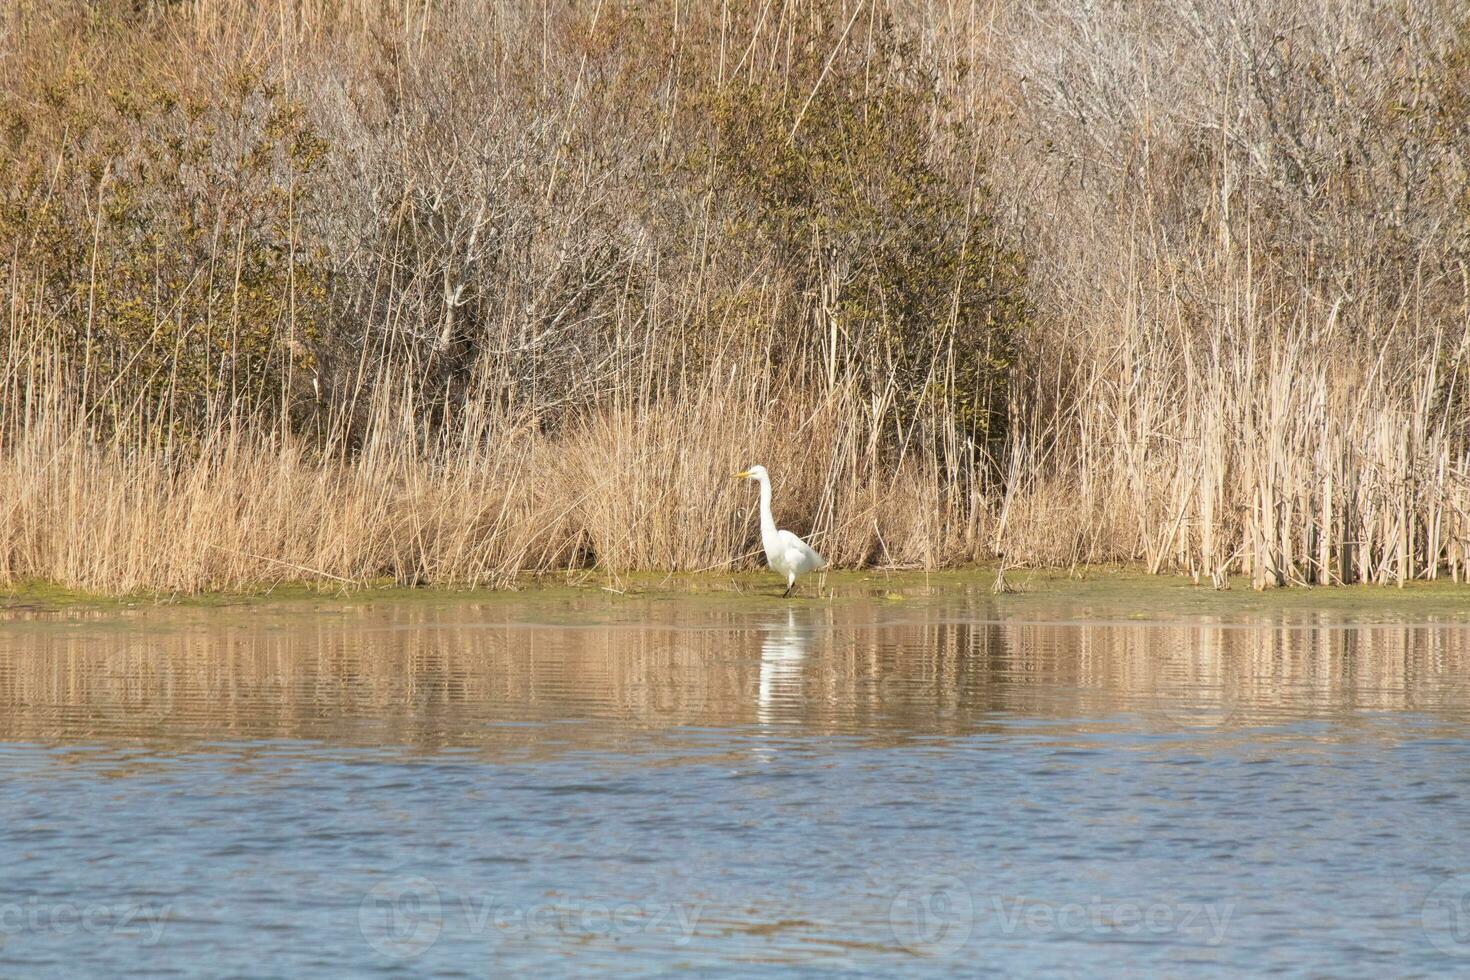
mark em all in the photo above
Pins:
pixel 471 677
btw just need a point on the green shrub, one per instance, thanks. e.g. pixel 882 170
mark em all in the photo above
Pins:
pixel 158 229
pixel 845 173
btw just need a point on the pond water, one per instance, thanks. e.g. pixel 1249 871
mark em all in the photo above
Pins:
pixel 943 785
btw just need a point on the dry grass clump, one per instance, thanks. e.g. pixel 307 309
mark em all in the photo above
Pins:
pixel 1254 356
pixel 477 500
pixel 246 509
pixel 1301 455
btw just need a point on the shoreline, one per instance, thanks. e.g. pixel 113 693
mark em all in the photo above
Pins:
pixel 1121 592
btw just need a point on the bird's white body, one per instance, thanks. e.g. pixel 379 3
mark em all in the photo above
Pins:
pixel 787 554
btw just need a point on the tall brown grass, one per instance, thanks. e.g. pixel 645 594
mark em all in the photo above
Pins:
pixel 477 501
pixel 1264 248
pixel 450 292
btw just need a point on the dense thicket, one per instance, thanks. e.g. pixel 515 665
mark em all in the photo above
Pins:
pixel 452 290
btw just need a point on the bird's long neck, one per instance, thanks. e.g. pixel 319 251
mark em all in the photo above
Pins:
pixel 768 523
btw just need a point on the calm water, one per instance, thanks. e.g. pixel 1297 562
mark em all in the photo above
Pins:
pixel 930 787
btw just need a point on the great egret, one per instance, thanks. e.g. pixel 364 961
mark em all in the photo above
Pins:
pixel 785 552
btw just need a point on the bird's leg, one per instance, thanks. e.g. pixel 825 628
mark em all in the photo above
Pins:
pixel 790 587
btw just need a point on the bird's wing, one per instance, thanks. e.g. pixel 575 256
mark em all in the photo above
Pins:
pixel 806 554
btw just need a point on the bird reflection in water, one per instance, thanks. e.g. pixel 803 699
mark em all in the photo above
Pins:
pixel 783 649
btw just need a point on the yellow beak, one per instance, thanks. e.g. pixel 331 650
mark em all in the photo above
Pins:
pixel 741 475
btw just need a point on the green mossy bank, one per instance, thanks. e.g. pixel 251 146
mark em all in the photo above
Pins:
pixel 1085 594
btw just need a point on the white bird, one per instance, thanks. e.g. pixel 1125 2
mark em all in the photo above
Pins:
pixel 785 552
